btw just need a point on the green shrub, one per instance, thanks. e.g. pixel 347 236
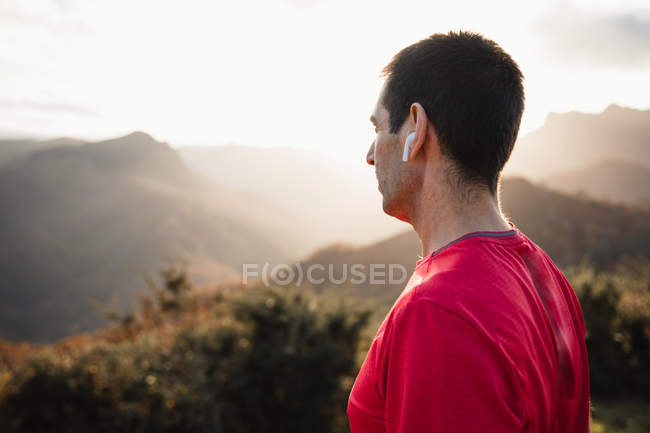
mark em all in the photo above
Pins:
pixel 265 360
pixel 616 307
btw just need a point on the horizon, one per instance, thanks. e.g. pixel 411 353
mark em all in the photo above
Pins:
pixel 175 145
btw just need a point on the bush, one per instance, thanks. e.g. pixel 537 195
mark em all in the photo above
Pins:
pixel 265 360
pixel 616 307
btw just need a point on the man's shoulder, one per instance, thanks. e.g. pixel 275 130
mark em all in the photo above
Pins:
pixel 439 315
pixel 476 281
pixel 437 295
pixel 468 281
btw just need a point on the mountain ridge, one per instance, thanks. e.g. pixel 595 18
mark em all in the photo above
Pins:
pixel 567 141
pixel 85 222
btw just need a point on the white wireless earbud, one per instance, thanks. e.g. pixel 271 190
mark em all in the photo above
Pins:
pixel 407 146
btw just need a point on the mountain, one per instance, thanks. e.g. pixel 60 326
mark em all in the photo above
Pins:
pixel 568 227
pixel 324 200
pixel 610 180
pixel 81 224
pixel 11 149
pixel 572 227
pixel 573 140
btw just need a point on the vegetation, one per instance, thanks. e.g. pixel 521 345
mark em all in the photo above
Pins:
pixel 271 360
pixel 620 416
pixel 258 361
pixel 616 306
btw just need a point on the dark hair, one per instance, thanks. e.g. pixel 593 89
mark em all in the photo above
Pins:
pixel 472 92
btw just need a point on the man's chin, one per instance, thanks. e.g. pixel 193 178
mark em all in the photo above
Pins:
pixel 391 209
pixel 386 204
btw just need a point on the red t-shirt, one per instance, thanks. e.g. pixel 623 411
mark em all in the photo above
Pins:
pixel 487 336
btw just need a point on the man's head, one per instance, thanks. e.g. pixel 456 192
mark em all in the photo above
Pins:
pixel 463 97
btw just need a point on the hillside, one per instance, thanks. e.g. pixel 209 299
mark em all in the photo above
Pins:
pixel 82 224
pixel 569 141
pixel 567 227
pixel 571 227
pixel 610 180
pixel 11 149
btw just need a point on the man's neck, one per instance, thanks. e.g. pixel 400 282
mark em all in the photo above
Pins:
pixel 441 218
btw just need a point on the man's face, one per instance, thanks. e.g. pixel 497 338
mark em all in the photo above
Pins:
pixel 385 154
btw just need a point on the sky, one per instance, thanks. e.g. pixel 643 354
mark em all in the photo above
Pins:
pixel 302 73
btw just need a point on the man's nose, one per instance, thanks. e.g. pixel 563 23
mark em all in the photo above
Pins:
pixel 370 157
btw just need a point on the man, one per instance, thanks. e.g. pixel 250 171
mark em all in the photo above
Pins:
pixel 488 335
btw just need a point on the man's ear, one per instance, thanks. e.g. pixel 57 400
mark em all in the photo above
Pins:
pixel 418 118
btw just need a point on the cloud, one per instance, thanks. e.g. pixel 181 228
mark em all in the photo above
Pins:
pixel 580 38
pixel 51 15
